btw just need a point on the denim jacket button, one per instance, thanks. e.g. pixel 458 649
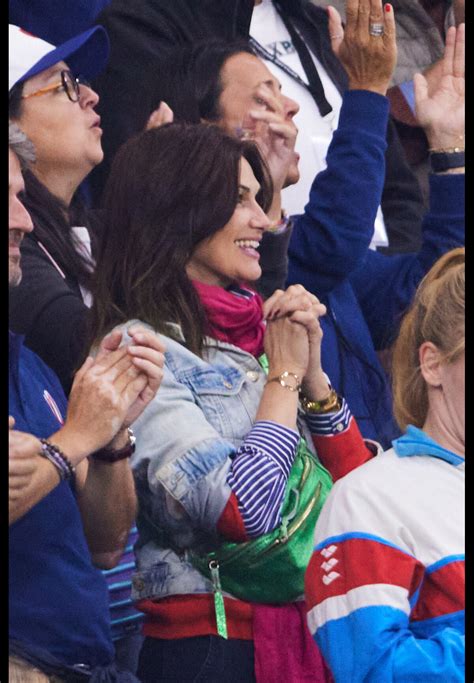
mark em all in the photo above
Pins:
pixel 138 584
pixel 252 375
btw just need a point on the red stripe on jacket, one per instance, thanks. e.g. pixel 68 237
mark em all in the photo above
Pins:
pixel 442 592
pixel 359 562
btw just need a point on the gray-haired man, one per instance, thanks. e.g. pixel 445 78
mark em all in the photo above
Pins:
pixel 20 153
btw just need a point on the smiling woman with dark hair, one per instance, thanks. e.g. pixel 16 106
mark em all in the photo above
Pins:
pixel 184 218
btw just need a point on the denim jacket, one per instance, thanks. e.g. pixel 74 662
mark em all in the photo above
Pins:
pixel 186 438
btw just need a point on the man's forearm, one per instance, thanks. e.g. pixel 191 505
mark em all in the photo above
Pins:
pixel 108 505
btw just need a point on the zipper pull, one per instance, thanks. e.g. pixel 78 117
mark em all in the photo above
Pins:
pixel 218 599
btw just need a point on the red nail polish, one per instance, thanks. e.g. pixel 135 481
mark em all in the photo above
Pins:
pixel 387 7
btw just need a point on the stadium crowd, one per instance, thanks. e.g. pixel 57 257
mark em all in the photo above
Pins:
pixel 236 347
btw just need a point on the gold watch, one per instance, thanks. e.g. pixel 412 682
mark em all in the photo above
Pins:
pixel 293 385
pixel 327 405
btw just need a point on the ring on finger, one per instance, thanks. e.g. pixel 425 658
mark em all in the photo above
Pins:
pixel 376 29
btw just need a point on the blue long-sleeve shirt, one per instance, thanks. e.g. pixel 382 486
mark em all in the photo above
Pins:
pixel 365 292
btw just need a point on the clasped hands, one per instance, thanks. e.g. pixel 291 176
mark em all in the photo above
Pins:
pixel 293 338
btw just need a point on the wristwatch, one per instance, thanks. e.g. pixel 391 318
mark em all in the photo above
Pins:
pixel 288 380
pixel 107 455
pixel 328 405
pixel 444 160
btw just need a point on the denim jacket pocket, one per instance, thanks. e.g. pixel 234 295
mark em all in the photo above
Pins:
pixel 218 392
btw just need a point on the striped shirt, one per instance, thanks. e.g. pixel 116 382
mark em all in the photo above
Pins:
pixel 262 465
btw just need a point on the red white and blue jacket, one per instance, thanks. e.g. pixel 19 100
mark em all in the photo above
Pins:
pixel 385 585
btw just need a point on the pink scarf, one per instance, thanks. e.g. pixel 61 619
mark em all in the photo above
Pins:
pixel 285 652
pixel 234 316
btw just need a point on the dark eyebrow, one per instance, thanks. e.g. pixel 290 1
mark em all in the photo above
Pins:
pixel 244 188
pixel 272 82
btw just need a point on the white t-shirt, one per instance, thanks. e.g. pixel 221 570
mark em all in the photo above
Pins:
pixel 315 131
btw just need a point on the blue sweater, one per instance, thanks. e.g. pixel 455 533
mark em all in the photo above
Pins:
pixel 365 292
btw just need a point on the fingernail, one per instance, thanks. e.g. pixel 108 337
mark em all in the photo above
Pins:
pixel 388 7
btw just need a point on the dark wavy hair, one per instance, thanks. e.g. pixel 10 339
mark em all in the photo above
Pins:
pixel 193 83
pixel 169 188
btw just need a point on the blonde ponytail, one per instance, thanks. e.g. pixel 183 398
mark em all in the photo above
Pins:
pixel 436 315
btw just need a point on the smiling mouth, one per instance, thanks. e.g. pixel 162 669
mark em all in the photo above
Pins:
pixel 249 248
pixel 247 244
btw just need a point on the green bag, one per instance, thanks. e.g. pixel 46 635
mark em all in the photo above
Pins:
pixel 271 568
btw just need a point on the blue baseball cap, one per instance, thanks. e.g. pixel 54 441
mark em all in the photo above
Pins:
pixel 85 54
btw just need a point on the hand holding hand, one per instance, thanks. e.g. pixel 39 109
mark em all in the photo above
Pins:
pixel 441 113
pixel 368 59
pixel 304 309
pixel 286 342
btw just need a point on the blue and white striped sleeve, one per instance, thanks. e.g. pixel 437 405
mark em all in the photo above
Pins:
pixel 326 424
pixel 259 473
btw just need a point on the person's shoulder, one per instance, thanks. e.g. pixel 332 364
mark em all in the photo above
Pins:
pixel 31 362
pixel 374 485
pixel 173 339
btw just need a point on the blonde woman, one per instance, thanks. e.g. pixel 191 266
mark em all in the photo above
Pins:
pixel 385 585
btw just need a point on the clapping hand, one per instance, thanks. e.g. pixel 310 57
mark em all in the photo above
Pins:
pixel 145 354
pixel 441 113
pixel 110 391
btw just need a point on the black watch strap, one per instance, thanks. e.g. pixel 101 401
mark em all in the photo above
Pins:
pixel 105 455
pixel 443 161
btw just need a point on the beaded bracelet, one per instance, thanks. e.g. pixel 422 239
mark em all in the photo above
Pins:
pixel 280 226
pixel 57 458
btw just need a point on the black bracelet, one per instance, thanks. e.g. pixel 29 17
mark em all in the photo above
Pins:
pixel 443 161
pixel 57 458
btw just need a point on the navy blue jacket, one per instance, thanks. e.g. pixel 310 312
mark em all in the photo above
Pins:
pixel 365 292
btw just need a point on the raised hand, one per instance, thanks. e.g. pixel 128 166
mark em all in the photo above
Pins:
pixel 274 134
pixel 368 59
pixel 441 112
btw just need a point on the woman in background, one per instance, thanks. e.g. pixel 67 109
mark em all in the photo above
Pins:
pixel 399 614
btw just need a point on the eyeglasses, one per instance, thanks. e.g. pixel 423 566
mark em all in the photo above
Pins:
pixel 69 83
